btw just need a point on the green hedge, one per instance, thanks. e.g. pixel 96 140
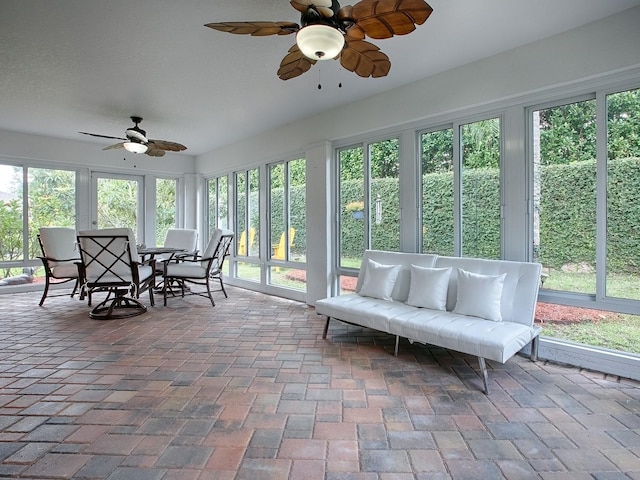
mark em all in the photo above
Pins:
pixel 567 214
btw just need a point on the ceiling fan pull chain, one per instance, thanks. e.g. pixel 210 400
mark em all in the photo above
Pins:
pixel 319 79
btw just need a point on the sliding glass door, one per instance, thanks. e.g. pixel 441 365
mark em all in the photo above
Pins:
pixel 117 202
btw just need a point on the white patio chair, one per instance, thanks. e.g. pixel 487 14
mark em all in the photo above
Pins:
pixel 60 257
pixel 111 264
pixel 200 270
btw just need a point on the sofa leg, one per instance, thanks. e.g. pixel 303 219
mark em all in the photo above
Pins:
pixel 326 328
pixel 395 352
pixel 534 348
pixel 485 375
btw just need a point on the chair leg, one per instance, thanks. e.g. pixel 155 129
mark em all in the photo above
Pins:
pixel 46 289
pixel 75 289
pixel 222 286
pixel 209 292
pixel 395 352
pixel 118 306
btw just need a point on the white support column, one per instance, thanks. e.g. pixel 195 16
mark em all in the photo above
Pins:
pixel 320 218
pixel 515 209
pixel 194 198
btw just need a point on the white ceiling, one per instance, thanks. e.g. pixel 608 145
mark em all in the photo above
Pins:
pixel 88 65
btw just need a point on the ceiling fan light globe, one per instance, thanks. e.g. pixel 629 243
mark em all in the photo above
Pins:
pixel 320 42
pixel 135 147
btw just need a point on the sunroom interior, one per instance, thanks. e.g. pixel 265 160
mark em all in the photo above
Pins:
pixel 389 171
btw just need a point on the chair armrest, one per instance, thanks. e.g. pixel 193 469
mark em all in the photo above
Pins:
pixel 150 262
pixel 184 256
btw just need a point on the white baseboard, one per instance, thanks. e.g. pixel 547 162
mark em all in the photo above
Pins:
pixel 625 365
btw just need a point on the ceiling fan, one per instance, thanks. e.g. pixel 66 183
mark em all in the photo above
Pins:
pixel 328 31
pixel 136 141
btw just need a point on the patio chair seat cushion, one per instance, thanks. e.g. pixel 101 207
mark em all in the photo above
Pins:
pixel 186 270
pixel 144 272
pixel 65 270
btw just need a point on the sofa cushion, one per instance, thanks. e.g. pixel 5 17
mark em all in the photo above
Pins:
pixel 379 280
pixel 428 288
pixel 496 341
pixel 479 295
pixel 365 311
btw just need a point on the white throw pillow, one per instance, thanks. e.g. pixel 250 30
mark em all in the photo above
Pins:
pixel 428 288
pixel 379 280
pixel 479 295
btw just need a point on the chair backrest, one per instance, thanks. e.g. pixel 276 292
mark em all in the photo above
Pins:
pixel 108 255
pixel 217 248
pixel 58 244
pixel 182 238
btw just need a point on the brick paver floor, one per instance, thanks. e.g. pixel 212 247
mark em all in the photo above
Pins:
pixel 249 390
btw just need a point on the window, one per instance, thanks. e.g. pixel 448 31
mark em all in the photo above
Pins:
pixel 480 172
pixel 248 223
pixel 623 195
pixel 369 199
pixel 46 198
pixel 166 207
pixel 586 189
pixel 287 223
pixel 564 195
pixel 437 192
pixel 218 198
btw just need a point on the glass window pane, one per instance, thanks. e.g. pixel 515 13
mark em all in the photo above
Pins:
pixel 384 199
pixel 166 205
pixel 222 213
pixel 480 152
pixel 288 277
pixel 351 191
pixel 298 209
pixel 599 328
pixel 437 192
pixel 11 215
pixel 52 202
pixel 217 196
pixel 242 239
pixel 278 207
pixel 254 211
pixel 117 203
pixel 564 196
pixel 248 271
pixel 623 195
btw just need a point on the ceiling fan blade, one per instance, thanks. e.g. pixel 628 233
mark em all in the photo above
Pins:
pixel 165 145
pixel 116 145
pixel 294 64
pixel 381 19
pixel 322 6
pixel 256 29
pixel 154 152
pixel 102 136
pixel 364 59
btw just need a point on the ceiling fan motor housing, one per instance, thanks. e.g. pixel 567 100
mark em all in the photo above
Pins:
pixel 136 134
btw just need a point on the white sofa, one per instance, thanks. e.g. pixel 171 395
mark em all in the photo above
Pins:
pixel 489 315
